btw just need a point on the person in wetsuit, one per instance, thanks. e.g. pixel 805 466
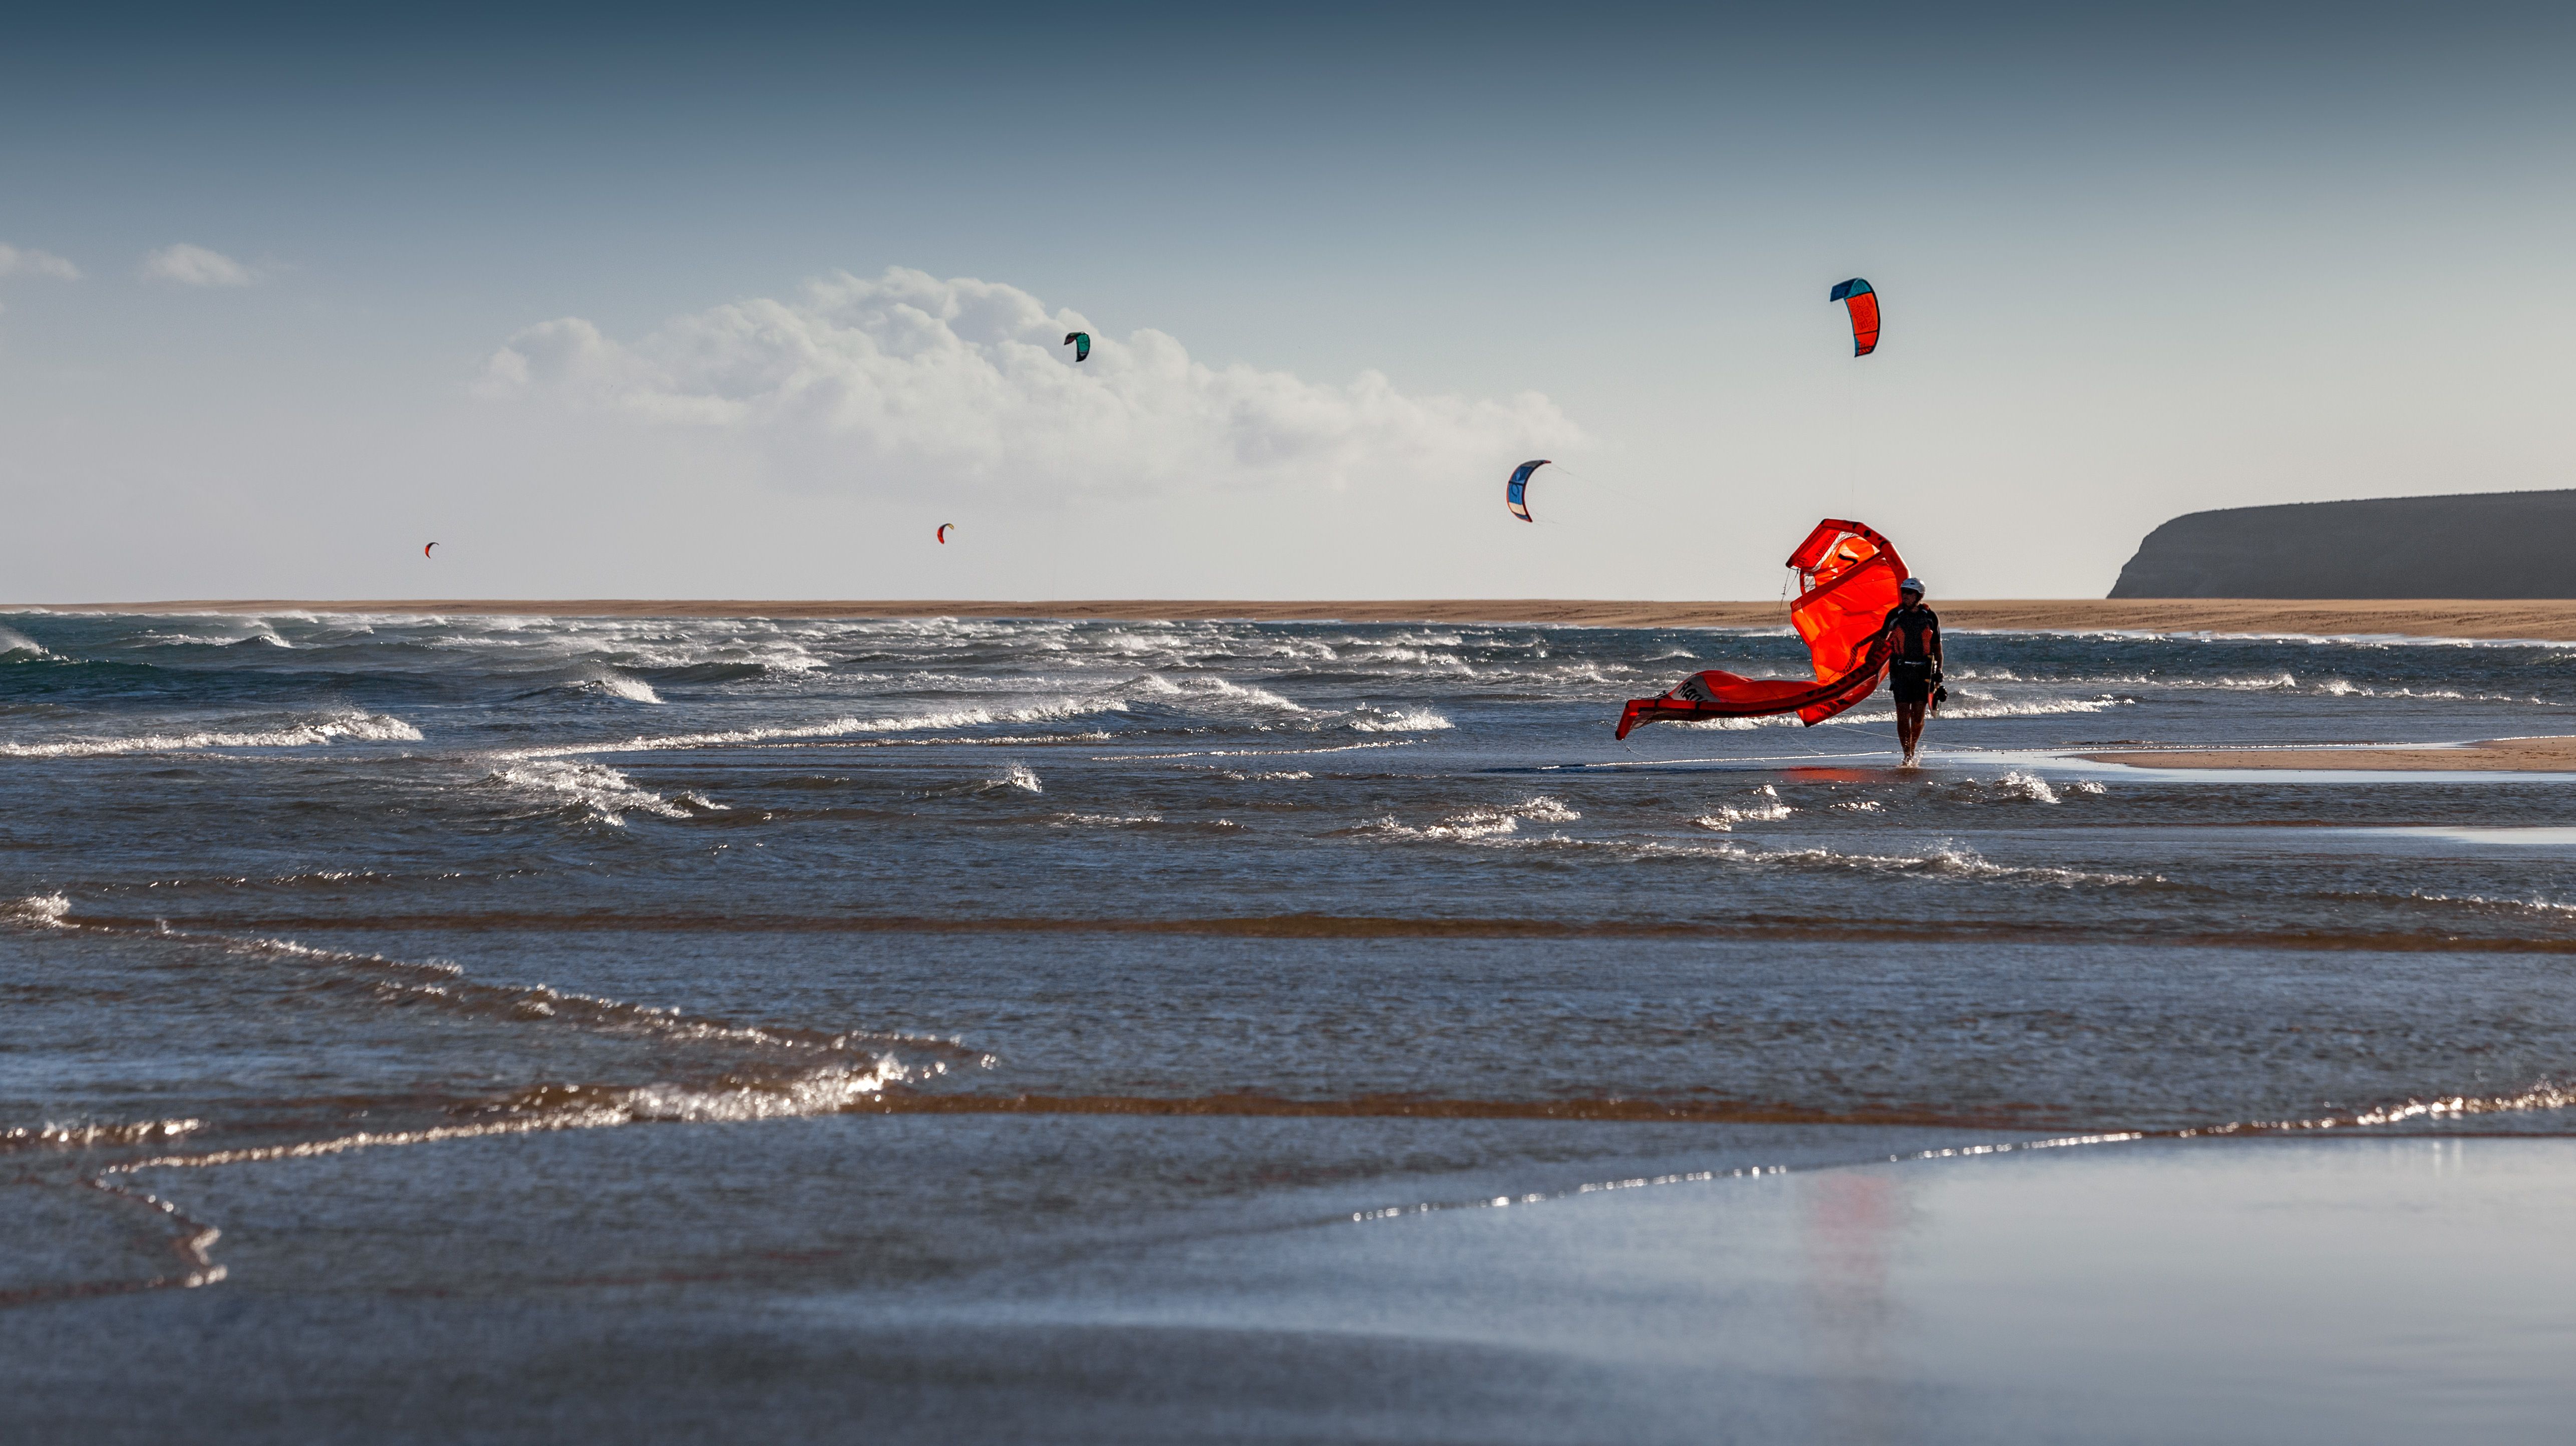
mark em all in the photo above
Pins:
pixel 1914 663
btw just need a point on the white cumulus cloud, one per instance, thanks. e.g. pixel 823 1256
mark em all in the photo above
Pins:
pixel 15 262
pixel 195 266
pixel 909 379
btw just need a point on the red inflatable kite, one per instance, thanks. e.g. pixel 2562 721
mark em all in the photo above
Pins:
pixel 1847 578
pixel 1863 304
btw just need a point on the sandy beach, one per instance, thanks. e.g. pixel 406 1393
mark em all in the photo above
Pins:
pixel 2493 755
pixel 2552 619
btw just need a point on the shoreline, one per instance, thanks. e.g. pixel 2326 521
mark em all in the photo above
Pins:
pixel 2537 620
pixel 2545 754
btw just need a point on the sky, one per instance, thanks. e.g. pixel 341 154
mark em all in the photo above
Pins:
pixel 746 301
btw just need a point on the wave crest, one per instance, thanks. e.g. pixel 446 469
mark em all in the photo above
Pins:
pixel 349 724
pixel 601 792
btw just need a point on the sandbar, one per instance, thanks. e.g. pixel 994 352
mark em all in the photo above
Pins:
pixel 2555 754
pixel 2540 619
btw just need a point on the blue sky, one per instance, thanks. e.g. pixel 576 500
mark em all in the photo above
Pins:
pixel 1346 269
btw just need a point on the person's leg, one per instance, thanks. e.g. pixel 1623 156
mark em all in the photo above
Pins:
pixel 1909 725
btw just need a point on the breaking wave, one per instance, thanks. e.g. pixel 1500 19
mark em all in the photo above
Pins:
pixel 1482 821
pixel 1207 689
pixel 1018 778
pixel 615 685
pixel 345 725
pixel 2021 787
pixel 602 793
pixel 17 647
pixel 1769 809
pixel 1365 719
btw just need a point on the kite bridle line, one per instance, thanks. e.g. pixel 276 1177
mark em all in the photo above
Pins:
pixel 1851 438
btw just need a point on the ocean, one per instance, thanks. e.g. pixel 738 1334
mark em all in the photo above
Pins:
pixel 444 1028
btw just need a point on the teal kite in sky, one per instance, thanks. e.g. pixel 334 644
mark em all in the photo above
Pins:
pixel 1516 491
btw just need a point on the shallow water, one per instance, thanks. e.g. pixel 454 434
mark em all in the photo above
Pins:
pixel 1042 938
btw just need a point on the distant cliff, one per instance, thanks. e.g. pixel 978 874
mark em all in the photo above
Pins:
pixel 2478 545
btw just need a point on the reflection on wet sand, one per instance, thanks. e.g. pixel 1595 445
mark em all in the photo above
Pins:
pixel 1850 1218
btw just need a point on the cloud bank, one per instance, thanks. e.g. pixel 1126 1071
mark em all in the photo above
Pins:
pixel 906 380
pixel 195 266
pixel 15 262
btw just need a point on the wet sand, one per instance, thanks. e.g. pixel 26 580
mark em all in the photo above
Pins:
pixel 2308 1290
pixel 2493 755
pixel 2545 618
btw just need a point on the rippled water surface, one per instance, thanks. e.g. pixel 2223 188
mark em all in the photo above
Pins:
pixel 911 948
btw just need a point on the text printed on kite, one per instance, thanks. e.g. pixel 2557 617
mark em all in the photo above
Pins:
pixel 1516 491
pixel 1862 302
pixel 1080 341
pixel 1848 577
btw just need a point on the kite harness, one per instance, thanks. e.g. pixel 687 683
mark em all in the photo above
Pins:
pixel 1914 666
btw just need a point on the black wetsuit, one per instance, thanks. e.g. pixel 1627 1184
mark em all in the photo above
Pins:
pixel 1914 637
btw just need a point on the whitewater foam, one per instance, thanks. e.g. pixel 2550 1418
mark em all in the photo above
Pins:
pixel 1365 719
pixel 605 794
pixel 1767 809
pixel 1945 860
pixel 350 725
pixel 1481 821
pixel 1017 778
pixel 2023 787
pixel 617 685
pixel 37 910
pixel 1208 688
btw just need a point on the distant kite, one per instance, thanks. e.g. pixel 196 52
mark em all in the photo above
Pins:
pixel 1080 341
pixel 943 532
pixel 1863 302
pixel 1516 491
pixel 425 551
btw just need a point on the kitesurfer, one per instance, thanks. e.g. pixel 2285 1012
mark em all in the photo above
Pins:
pixel 1913 662
pixel 1847 578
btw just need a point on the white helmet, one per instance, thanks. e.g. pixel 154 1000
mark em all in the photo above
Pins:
pixel 1913 585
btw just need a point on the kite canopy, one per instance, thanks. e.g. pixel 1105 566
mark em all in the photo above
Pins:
pixel 1080 341
pixel 1863 302
pixel 943 531
pixel 1847 577
pixel 1516 491
pixel 425 551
